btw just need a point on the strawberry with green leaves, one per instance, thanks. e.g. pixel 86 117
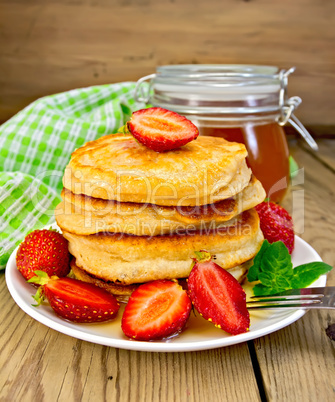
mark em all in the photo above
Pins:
pixel 44 250
pixel 75 300
pixel 218 296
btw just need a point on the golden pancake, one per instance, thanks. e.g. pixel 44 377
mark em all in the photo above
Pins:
pixel 117 167
pixel 122 292
pixel 111 287
pixel 80 214
pixel 128 259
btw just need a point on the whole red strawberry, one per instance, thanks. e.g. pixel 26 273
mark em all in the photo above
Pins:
pixel 276 224
pixel 44 250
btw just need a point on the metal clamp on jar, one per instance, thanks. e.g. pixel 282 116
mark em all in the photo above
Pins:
pixel 242 103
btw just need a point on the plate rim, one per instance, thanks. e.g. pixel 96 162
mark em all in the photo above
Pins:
pixel 65 327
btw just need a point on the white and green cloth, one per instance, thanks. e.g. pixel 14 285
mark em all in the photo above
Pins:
pixel 36 145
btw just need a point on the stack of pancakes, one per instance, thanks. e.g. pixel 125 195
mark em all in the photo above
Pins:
pixel 132 215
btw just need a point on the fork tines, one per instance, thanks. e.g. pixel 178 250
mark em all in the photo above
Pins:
pixel 296 298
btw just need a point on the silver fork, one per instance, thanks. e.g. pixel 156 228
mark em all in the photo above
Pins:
pixel 306 298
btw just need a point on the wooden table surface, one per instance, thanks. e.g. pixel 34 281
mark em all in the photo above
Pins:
pixel 293 364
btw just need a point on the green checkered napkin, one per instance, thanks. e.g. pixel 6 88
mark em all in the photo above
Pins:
pixel 35 147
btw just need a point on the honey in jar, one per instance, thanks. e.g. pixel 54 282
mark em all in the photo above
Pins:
pixel 241 103
pixel 268 153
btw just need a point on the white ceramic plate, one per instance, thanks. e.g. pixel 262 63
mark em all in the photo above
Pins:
pixel 199 334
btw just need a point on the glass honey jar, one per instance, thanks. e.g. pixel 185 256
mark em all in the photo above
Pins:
pixel 242 103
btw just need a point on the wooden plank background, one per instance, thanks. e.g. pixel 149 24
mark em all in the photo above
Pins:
pixel 48 46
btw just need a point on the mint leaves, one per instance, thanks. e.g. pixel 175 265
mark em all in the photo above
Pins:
pixel 274 270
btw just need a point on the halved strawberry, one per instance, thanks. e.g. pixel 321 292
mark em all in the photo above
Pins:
pixel 276 224
pixel 217 296
pixel 156 310
pixel 160 129
pixel 75 300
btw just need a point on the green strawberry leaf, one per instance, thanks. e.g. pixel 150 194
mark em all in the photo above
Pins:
pixel 38 297
pixel 40 278
pixel 202 256
pixel 123 130
pixel 51 229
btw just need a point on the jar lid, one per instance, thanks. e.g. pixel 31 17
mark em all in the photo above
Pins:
pixel 223 90
pixel 213 77
pixel 217 89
